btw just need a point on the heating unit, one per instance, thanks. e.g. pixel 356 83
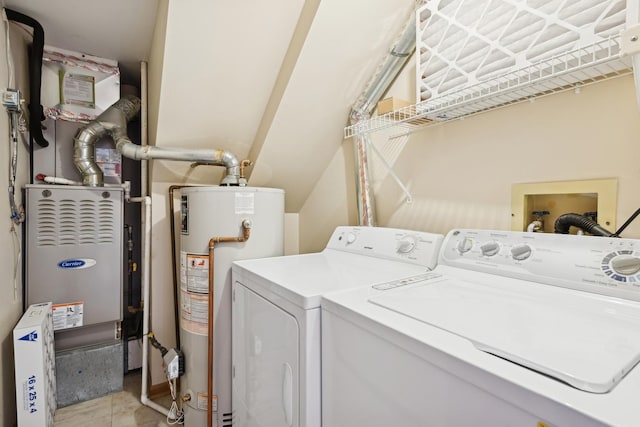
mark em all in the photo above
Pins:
pixel 74 259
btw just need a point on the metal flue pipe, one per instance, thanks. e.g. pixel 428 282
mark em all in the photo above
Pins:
pixel 366 104
pixel 113 122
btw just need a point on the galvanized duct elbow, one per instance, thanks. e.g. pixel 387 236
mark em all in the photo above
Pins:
pixel 366 104
pixel 113 122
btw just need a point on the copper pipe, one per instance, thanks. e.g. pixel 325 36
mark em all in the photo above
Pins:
pixel 246 231
pixel 243 164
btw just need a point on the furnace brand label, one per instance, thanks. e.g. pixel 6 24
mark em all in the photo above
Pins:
pixel 77 264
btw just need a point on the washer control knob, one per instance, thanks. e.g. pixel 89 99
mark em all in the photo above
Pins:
pixel 351 237
pixel 490 248
pixel 625 264
pixel 406 244
pixel 465 245
pixel 521 252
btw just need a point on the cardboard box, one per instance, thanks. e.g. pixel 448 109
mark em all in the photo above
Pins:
pixel 400 109
pixel 35 367
pixel 388 105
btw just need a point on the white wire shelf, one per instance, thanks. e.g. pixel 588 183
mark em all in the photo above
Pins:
pixel 572 69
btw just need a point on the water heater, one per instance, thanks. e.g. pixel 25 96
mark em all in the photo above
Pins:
pixel 209 213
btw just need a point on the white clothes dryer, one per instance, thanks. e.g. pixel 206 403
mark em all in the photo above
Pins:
pixel 510 329
pixel 276 317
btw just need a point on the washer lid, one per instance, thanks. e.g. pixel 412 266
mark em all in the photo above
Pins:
pixel 586 340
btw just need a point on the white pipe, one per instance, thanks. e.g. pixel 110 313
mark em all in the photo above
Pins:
pixel 59 180
pixel 146 284
pixel 144 125
pixel 146 247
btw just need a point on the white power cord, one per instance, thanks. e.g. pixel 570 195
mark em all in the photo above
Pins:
pixel 175 415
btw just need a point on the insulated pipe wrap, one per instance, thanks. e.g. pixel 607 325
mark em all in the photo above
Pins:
pixel 113 122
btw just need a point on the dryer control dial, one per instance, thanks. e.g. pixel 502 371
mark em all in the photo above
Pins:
pixel 490 248
pixel 406 244
pixel 351 237
pixel 521 252
pixel 625 264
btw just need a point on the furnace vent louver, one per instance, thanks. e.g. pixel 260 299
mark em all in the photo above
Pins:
pixel 75 222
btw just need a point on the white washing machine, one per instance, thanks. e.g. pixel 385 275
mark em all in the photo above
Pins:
pixel 276 317
pixel 511 329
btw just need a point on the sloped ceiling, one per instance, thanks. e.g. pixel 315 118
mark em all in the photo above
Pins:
pixel 270 81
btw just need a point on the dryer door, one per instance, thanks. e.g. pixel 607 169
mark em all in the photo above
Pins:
pixel 265 362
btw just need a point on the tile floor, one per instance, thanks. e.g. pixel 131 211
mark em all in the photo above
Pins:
pixel 121 409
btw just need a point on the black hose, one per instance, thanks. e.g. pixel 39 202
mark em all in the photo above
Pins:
pixel 36 113
pixel 156 344
pixel 565 221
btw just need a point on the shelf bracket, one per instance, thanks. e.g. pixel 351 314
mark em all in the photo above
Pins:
pixel 409 199
pixel 630 41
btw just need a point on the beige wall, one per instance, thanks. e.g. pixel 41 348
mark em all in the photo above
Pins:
pixel 10 283
pixel 460 173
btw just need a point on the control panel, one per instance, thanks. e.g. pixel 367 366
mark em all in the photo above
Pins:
pixel 416 247
pixel 605 265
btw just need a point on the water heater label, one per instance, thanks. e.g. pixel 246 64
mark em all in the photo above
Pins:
pixel 194 292
pixel 245 204
pixel 196 273
pixel 68 315
pixel 77 263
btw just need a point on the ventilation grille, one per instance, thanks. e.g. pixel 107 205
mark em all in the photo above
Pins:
pixel 75 222
pixel 465 42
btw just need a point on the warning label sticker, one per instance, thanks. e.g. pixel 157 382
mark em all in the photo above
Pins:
pixel 194 272
pixel 195 309
pixel 194 292
pixel 202 402
pixel 245 204
pixel 67 315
